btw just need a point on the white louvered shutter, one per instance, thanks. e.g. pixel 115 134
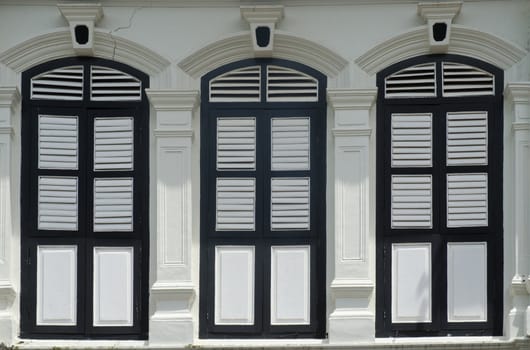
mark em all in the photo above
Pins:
pixel 467 200
pixel 411 201
pixel 113 143
pixel 236 143
pixel 64 83
pixel 412 140
pixel 235 204
pixel 415 81
pixel 290 204
pixel 58 202
pixel 289 85
pixel 467 138
pixel 238 85
pixel 108 84
pixel 58 142
pixel 113 204
pixel 290 143
pixel 463 80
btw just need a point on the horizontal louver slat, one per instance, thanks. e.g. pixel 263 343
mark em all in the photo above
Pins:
pixel 411 201
pixel 239 85
pixel 416 81
pixel 289 85
pixel 290 204
pixel 109 84
pixel 464 80
pixel 236 143
pixel 235 204
pixel 411 140
pixel 290 143
pixel 58 84
pixel 58 142
pixel 467 200
pixel 58 201
pixel 467 134
pixel 113 143
pixel 113 204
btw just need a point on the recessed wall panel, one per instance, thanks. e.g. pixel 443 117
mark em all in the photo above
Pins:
pixel 234 285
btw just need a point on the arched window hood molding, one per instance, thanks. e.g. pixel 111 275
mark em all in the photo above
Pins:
pixel 58 44
pixel 239 47
pixel 464 41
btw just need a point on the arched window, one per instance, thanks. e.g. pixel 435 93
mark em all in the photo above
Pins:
pixel 84 200
pixel 439 194
pixel 263 132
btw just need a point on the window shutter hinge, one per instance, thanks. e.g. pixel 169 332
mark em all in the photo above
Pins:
pixel 384 315
pixel 28 258
pixel 207 315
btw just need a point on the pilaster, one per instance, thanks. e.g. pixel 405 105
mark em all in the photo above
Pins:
pixel 9 102
pixel 352 318
pixel 518 96
pixel 173 292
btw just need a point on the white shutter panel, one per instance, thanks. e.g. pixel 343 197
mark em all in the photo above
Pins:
pixel 290 203
pixel 238 85
pixel 290 143
pixel 235 204
pixel 109 84
pixel 412 140
pixel 463 80
pixel 411 201
pixel 415 81
pixel 467 200
pixel 289 85
pixel 64 83
pixel 467 138
pixel 57 203
pixel 58 142
pixel 113 204
pixel 236 143
pixel 113 143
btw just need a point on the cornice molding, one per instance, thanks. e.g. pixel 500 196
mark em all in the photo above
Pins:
pixel 173 100
pixel 351 98
pixel 518 92
pixel 464 41
pixel 81 11
pixel 352 287
pixel 262 13
pixel 520 126
pixel 58 44
pixel 351 132
pixel 439 10
pixel 9 96
pixel 239 46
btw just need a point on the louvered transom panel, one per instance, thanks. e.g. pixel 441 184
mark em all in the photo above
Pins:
pixel 467 138
pixel 463 80
pixel 239 85
pixel 290 202
pixel 235 204
pixel 416 81
pixel 113 143
pixel 58 142
pixel 289 85
pixel 236 143
pixel 411 201
pixel 59 84
pixel 58 201
pixel 412 140
pixel 113 204
pixel 467 200
pixel 109 84
pixel 290 143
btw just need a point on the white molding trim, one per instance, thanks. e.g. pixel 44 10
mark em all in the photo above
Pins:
pixel 464 41
pixel 58 44
pixel 239 46
pixel 173 100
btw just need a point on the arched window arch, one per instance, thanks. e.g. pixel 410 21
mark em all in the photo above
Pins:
pixel 84 200
pixel 263 132
pixel 439 194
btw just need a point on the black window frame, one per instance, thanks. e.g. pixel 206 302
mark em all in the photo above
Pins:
pixel 317 235
pixel 31 237
pixel 439 235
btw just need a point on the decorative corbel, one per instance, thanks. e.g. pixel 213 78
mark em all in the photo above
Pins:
pixel 82 18
pixel 262 20
pixel 439 17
